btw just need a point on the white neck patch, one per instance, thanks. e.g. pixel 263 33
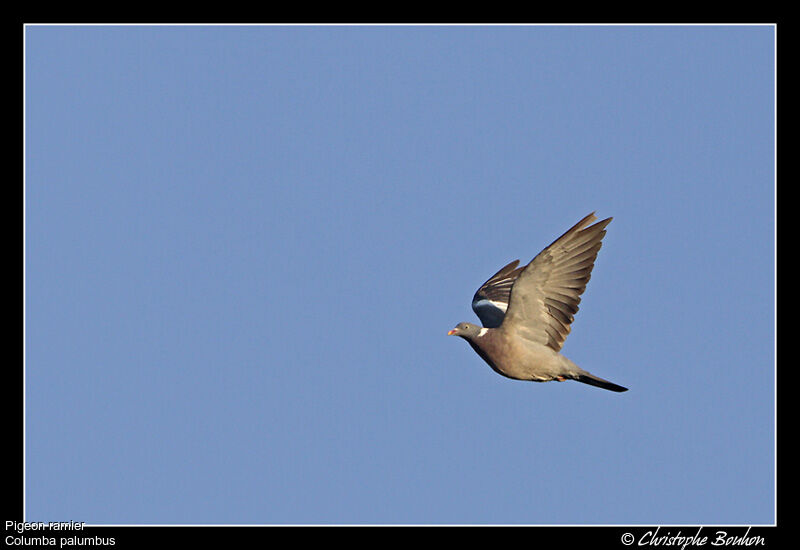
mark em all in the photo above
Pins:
pixel 483 331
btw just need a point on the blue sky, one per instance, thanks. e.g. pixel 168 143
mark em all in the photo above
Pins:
pixel 245 247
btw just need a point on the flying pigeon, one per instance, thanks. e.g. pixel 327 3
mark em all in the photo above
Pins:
pixel 527 311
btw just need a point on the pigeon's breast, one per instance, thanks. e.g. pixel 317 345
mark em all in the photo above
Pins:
pixel 516 357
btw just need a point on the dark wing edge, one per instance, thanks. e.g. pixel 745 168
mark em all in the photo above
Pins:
pixel 491 300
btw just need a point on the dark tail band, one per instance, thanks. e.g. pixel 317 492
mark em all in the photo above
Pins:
pixel 599 382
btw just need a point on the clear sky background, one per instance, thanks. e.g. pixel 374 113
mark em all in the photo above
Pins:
pixel 245 247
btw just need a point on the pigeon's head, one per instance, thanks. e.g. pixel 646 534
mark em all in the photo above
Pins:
pixel 465 330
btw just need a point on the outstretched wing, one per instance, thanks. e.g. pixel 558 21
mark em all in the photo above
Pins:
pixel 491 300
pixel 545 297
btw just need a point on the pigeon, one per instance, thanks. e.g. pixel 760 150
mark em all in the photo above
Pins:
pixel 527 311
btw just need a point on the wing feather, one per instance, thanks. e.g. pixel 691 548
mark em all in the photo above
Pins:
pixel 545 295
pixel 491 300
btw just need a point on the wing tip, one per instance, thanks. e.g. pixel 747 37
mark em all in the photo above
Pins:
pixel 593 216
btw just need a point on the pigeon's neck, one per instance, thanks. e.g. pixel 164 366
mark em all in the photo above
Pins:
pixel 476 337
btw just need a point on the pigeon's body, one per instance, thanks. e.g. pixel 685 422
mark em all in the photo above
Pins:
pixel 517 358
pixel 527 311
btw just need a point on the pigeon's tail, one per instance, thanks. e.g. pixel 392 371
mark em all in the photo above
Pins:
pixel 593 380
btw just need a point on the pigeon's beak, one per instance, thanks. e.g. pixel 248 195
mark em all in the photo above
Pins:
pixel 452 332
